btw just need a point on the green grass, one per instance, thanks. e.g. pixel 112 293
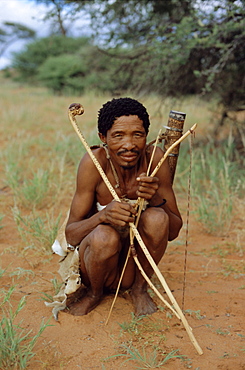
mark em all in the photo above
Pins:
pixel 141 343
pixel 37 231
pixel 224 332
pixel 35 188
pixel 56 288
pixel 2 271
pixel 19 272
pixel 143 359
pixel 16 342
pixel 196 314
pixel 217 184
pixel 1 218
pixel 140 325
pixel 132 327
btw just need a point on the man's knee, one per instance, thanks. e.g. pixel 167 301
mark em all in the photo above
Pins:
pixel 104 242
pixel 154 228
pixel 155 221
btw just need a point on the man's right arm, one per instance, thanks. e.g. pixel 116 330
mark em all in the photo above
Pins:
pixel 79 224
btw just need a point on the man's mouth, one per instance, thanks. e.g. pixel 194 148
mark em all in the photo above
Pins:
pixel 128 158
pixel 128 155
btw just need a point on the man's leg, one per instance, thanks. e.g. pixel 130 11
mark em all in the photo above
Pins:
pixel 153 228
pixel 98 254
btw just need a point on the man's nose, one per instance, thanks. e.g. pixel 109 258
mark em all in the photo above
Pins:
pixel 129 143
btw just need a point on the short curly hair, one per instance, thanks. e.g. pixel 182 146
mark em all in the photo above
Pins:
pixel 116 108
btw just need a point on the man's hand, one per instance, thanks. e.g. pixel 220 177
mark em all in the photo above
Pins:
pixel 119 213
pixel 148 186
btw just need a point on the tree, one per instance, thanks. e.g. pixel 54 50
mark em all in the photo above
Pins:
pixel 61 14
pixel 35 54
pixel 66 65
pixel 176 47
pixel 74 73
pixel 10 32
pixel 63 73
pixel 173 47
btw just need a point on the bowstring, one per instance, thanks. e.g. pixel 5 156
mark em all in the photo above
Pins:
pixel 187 218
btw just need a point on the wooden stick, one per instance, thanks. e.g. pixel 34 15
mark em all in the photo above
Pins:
pixel 140 201
pixel 154 288
pixel 144 275
pixel 77 109
pixel 118 286
pixel 166 288
pixel 152 262
pixel 153 152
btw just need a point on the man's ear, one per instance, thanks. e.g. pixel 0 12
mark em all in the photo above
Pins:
pixel 102 137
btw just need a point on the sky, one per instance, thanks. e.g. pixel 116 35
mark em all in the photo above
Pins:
pixel 28 13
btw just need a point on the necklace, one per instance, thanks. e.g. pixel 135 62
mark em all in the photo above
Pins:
pixel 112 167
pixel 117 186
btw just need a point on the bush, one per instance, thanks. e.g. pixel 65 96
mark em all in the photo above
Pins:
pixel 63 73
pixel 36 53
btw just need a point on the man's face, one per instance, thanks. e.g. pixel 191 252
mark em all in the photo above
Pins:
pixel 126 140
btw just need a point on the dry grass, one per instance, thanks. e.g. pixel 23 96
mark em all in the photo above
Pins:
pixel 40 150
pixel 40 153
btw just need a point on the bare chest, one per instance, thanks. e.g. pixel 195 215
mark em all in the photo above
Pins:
pixel 125 187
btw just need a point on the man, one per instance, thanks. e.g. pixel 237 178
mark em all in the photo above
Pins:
pixel 99 225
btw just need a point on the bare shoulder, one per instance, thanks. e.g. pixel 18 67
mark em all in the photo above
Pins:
pixel 87 169
pixel 88 179
pixel 163 171
pixel 99 154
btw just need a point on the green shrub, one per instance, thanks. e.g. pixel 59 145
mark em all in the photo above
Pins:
pixel 36 53
pixel 63 73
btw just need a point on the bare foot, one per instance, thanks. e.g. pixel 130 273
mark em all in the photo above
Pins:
pixel 76 296
pixel 143 303
pixel 84 306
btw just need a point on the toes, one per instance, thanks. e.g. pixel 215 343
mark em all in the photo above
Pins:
pixel 143 303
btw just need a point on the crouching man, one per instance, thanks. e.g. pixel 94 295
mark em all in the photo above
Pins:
pixel 100 226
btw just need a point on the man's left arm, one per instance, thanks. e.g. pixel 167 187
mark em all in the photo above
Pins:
pixel 158 189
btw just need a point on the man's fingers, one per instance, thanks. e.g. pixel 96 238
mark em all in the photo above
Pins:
pixel 145 186
pixel 120 213
pixel 121 220
pixel 126 208
pixel 147 179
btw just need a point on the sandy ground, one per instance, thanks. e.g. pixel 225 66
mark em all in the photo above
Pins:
pixel 214 301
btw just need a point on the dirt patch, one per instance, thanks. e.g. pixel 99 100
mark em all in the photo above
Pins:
pixel 213 301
